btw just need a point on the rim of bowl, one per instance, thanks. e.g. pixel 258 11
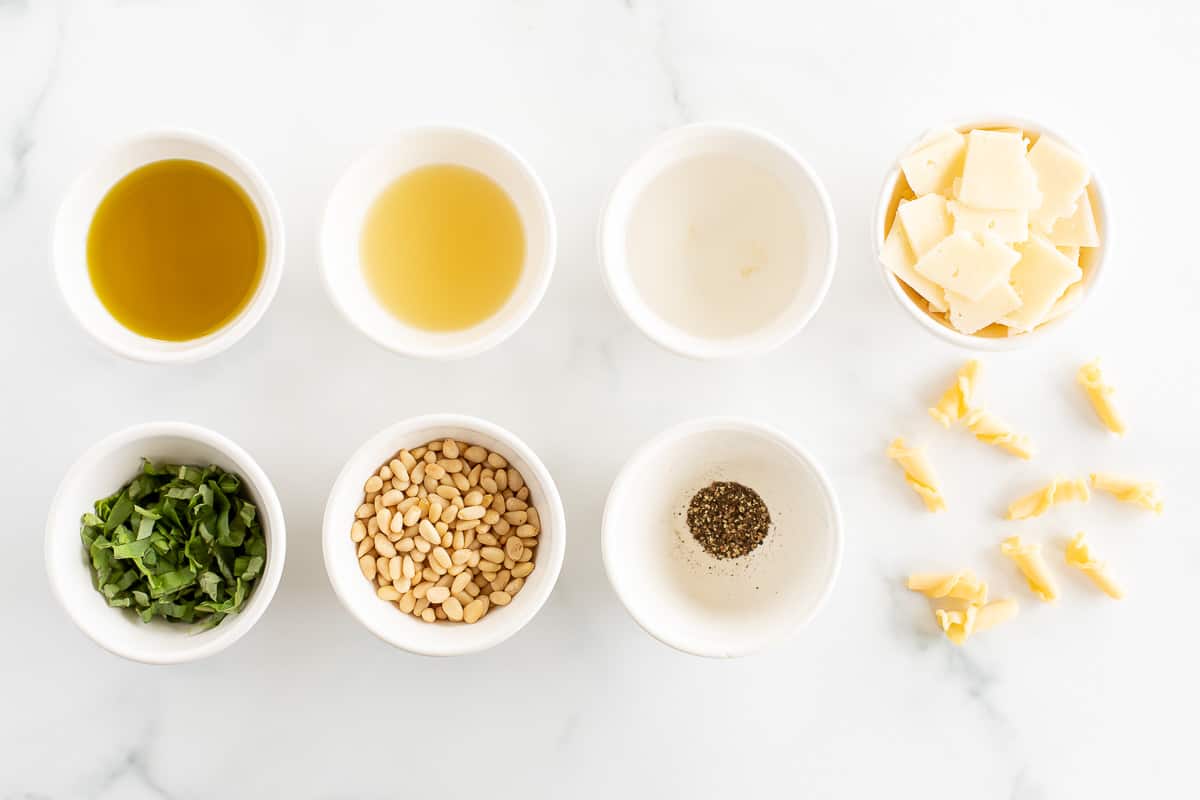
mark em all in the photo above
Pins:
pixel 233 331
pixel 738 425
pixel 222 636
pixel 333 534
pixel 518 315
pixel 983 343
pixel 687 345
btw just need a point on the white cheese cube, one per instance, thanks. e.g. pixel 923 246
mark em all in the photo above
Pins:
pixel 997 174
pixel 934 164
pixel 1079 229
pixel 1071 253
pixel 968 264
pixel 1007 225
pixel 925 222
pixel 899 258
pixel 1061 178
pixel 969 316
pixel 1039 278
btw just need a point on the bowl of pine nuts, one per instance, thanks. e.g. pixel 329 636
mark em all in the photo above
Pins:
pixel 444 535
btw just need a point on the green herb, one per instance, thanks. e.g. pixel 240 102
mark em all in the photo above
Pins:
pixel 177 542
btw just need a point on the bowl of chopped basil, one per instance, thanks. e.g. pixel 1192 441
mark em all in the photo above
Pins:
pixel 165 543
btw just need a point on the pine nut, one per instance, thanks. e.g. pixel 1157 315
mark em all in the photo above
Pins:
pixel 453 609
pixel 429 533
pixel 473 611
pixel 442 557
pixel 445 531
pixel 471 512
pixel 383 546
pixel 513 548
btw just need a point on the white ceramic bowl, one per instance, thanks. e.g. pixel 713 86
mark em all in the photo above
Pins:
pixel 814 216
pixel 1092 259
pixel 69 244
pixel 361 184
pixel 384 619
pixel 102 470
pixel 690 600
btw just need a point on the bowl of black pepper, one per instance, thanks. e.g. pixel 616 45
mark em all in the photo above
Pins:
pixel 722 537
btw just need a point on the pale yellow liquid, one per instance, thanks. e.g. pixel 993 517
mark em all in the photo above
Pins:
pixel 443 247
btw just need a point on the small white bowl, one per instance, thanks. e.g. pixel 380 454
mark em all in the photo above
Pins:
pixel 106 467
pixel 814 215
pixel 384 619
pixel 361 184
pixel 699 604
pixel 1092 259
pixel 75 217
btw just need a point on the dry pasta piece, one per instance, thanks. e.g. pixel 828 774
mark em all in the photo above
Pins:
pixel 1101 394
pixel 955 402
pixel 992 431
pixel 1058 490
pixel 1129 490
pixel 1028 558
pixel 958 625
pixel 918 473
pixel 961 585
pixel 1080 557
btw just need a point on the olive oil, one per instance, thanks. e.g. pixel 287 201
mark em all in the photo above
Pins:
pixel 443 247
pixel 175 250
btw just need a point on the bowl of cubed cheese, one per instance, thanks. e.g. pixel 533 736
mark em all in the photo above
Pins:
pixel 991 232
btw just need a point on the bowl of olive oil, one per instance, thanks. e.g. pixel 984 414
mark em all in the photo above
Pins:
pixel 439 243
pixel 170 248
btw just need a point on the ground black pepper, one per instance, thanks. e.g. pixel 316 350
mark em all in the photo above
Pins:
pixel 729 520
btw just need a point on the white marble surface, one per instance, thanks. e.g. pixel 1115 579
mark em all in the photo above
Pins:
pixel 1087 699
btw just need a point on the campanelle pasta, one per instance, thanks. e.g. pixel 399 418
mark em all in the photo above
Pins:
pixel 992 431
pixel 1058 490
pixel 918 473
pixel 958 624
pixel 955 402
pixel 1079 556
pixel 1100 393
pixel 1128 490
pixel 961 585
pixel 1028 558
